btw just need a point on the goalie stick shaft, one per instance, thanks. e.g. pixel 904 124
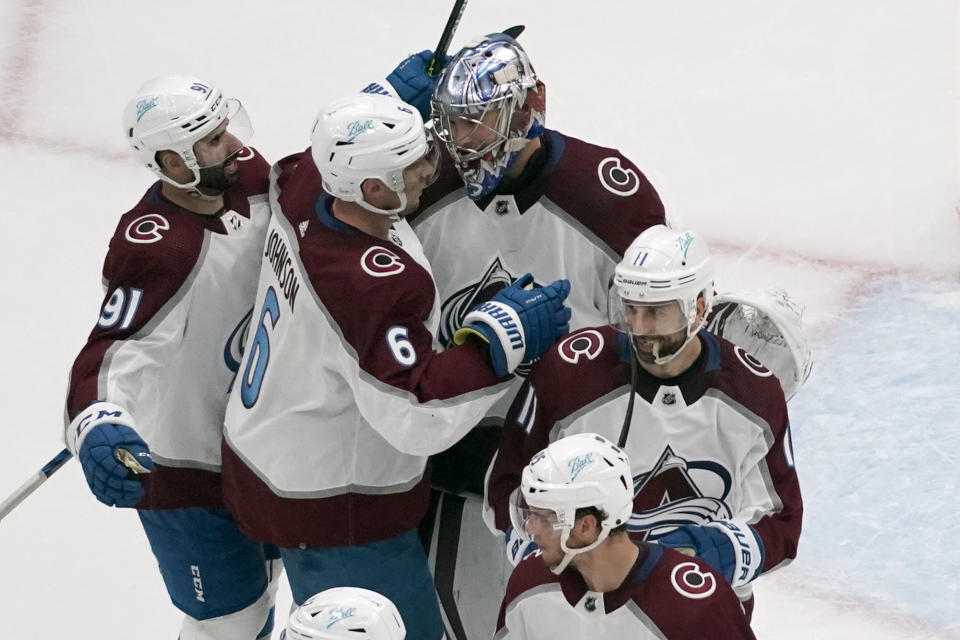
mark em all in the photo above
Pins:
pixel 436 63
pixel 33 482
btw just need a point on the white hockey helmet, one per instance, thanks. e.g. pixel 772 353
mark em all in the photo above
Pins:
pixel 367 136
pixel 663 266
pixel 490 74
pixel 346 613
pixel 577 472
pixel 172 113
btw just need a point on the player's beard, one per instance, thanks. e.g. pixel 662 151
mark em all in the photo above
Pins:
pixel 215 180
pixel 666 345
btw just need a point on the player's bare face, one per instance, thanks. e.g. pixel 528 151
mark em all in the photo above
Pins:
pixel 217 156
pixel 657 329
pixel 540 526
pixel 416 178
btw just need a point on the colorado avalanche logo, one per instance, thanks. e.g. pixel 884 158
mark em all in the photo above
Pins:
pixel 678 492
pixel 380 262
pixel 147 229
pixel 691 582
pixel 616 179
pixel 455 308
pixel 587 343
pixel 755 366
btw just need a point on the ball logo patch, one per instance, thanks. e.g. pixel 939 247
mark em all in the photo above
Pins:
pixel 692 583
pixel 587 343
pixel 147 229
pixel 380 262
pixel 616 179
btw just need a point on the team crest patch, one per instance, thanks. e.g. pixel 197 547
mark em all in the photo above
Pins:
pixel 677 491
pixel 147 229
pixel 755 366
pixel 380 262
pixel 586 344
pixel 455 308
pixel 616 179
pixel 691 582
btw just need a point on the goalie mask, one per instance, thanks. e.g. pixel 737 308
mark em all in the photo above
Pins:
pixel 655 291
pixel 372 136
pixel 488 104
pixel 345 613
pixel 174 113
pixel 579 471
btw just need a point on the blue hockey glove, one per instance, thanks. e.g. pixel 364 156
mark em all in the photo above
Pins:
pixel 113 482
pixel 519 324
pixel 517 548
pixel 412 83
pixel 734 551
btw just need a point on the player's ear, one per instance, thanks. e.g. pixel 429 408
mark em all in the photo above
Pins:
pixel 170 162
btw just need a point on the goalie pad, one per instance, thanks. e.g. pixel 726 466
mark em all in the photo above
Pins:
pixel 768 325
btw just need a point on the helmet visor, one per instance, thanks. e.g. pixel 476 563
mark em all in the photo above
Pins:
pixel 646 318
pixel 529 521
pixel 227 139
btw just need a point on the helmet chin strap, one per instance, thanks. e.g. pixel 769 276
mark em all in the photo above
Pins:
pixel 569 553
pixel 393 213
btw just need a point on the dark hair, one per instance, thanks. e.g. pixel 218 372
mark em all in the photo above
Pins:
pixel 600 515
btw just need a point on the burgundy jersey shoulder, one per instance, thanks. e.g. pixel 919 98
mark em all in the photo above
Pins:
pixel 530 573
pixel 683 596
pixel 254 178
pixel 579 368
pixel 746 380
pixel 362 281
pixel 604 190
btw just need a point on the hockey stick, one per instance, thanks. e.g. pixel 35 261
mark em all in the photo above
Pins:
pixel 436 63
pixel 125 458
pixel 628 418
pixel 35 481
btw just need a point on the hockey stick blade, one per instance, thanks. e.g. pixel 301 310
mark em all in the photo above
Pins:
pixel 440 52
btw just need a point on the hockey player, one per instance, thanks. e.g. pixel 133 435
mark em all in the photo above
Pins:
pixel 148 392
pixel 705 424
pixel 590 580
pixel 346 613
pixel 342 392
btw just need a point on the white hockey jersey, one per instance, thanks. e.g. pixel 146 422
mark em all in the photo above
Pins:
pixel 341 394
pixel 179 287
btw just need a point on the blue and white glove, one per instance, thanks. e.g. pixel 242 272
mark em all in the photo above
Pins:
pixel 519 324
pixel 412 82
pixel 517 548
pixel 104 439
pixel 734 550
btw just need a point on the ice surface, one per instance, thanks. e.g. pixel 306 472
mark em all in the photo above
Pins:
pixel 815 143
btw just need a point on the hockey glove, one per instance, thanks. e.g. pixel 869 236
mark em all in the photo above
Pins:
pixel 412 83
pixel 519 324
pixel 517 548
pixel 734 551
pixel 111 453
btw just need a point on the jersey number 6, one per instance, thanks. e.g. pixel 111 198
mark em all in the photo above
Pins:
pixel 259 358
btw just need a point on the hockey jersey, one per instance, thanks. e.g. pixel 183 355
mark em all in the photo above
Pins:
pixel 342 392
pixel 578 210
pixel 179 287
pixel 573 220
pixel 710 445
pixel 666 596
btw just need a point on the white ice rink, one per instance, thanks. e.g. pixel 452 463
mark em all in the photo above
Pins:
pixel 814 142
